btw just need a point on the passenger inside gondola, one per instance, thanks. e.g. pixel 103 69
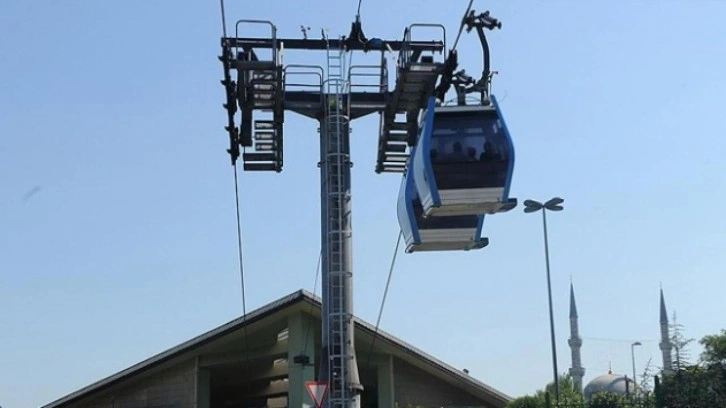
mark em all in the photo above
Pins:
pixel 456 154
pixel 489 153
pixel 475 152
pixel 471 154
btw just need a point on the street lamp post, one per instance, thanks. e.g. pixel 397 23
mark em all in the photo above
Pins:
pixel 553 204
pixel 632 357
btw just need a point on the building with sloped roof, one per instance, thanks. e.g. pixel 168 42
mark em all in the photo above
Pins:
pixel 218 369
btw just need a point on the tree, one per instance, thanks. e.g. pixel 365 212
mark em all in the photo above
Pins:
pixel 568 395
pixel 527 401
pixel 714 349
pixel 713 358
pixel 680 345
pixel 701 385
pixel 608 400
pixel 646 377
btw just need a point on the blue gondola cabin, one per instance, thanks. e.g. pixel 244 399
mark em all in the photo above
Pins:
pixel 463 161
pixel 441 233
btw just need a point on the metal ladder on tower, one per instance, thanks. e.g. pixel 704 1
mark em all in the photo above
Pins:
pixel 337 158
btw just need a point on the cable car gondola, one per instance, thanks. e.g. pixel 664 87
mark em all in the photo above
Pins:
pixel 442 233
pixel 463 161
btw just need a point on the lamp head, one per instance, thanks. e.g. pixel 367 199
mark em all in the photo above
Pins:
pixel 554 204
pixel 532 206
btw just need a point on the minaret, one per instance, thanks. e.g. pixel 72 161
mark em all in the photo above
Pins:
pixel 665 341
pixel 575 342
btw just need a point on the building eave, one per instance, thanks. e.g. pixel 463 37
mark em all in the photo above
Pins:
pixel 405 350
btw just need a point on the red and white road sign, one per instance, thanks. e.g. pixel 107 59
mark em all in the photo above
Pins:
pixel 318 390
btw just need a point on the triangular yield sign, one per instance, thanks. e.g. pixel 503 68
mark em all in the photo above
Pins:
pixel 317 390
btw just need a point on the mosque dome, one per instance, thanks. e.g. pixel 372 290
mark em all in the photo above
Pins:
pixel 613 383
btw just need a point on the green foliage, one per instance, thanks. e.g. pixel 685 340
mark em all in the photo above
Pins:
pixel 568 395
pixel 608 400
pixel 714 349
pixel 680 345
pixel 646 377
pixel 691 385
pixel 696 387
pixel 644 401
pixel 699 385
pixel 599 400
pixel 527 401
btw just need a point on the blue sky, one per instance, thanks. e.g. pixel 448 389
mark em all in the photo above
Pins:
pixel 117 225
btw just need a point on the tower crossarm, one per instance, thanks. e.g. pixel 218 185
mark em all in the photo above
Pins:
pixel 260 88
pixel 322 45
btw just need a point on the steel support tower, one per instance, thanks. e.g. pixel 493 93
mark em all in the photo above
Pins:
pixel 269 88
pixel 339 367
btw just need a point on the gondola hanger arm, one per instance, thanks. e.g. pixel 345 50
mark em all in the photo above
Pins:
pixel 464 84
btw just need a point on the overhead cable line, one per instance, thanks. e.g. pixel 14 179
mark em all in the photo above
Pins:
pixel 224 19
pixel 461 26
pixel 303 358
pixel 610 340
pixel 357 31
pixel 239 237
pixel 241 274
pixel 385 294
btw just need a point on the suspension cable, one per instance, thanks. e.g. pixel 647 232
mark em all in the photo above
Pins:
pixel 312 305
pixel 239 239
pixel 461 27
pixel 242 275
pixel 451 61
pixel 350 59
pixel 224 19
pixel 385 294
